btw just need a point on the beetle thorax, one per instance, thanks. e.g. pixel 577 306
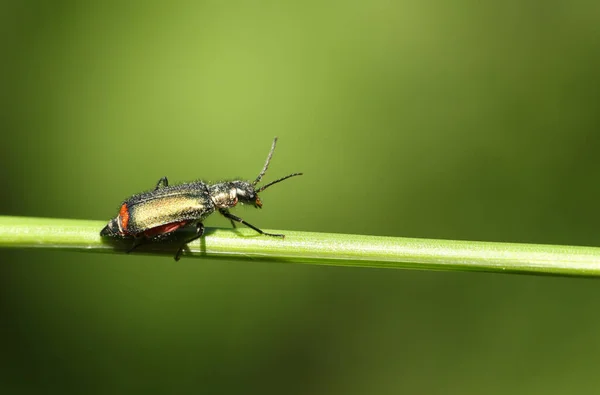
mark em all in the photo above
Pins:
pixel 228 194
pixel 223 195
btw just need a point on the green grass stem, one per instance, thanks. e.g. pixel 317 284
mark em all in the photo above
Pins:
pixel 317 248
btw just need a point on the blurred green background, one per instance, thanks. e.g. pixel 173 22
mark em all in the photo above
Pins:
pixel 460 120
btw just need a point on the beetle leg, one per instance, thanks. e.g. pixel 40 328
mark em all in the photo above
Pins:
pixel 232 217
pixel 138 241
pixel 224 210
pixel 199 233
pixel 163 182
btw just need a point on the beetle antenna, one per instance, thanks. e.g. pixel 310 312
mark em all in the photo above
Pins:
pixel 276 181
pixel 264 170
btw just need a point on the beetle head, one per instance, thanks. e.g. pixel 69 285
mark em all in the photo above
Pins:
pixel 246 193
pixel 228 194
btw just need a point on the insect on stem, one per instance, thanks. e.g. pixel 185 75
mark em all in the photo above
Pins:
pixel 157 214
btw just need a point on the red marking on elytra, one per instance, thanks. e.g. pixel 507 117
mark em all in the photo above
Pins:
pixel 167 228
pixel 124 216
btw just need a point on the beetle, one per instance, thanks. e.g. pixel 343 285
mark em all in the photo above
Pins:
pixel 155 215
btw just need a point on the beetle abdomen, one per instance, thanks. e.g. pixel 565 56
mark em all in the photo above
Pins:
pixel 157 212
pixel 164 229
